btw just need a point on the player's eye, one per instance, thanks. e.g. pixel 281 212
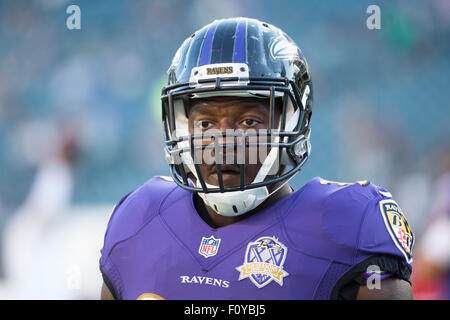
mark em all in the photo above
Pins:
pixel 203 124
pixel 250 122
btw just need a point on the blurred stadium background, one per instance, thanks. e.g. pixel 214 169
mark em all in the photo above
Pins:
pixel 80 120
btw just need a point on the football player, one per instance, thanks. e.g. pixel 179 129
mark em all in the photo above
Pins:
pixel 226 224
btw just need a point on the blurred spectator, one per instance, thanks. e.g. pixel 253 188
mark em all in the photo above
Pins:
pixel 49 197
pixel 431 276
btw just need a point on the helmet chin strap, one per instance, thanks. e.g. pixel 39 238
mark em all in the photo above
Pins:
pixel 235 203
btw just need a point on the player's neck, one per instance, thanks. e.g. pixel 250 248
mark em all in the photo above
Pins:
pixel 216 220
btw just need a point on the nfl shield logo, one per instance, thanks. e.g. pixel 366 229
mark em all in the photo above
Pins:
pixel 209 246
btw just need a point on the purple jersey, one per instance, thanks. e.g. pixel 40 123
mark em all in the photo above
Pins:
pixel 305 246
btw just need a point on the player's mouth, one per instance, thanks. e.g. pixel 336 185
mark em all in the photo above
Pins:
pixel 230 174
pixel 226 169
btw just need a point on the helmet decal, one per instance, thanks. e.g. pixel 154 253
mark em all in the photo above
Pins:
pixel 281 48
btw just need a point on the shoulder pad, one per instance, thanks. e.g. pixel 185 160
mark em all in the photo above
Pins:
pixel 368 220
pixel 331 217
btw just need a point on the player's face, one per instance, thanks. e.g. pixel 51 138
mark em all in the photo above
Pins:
pixel 230 114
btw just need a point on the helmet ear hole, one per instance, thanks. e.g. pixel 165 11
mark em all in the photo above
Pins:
pixel 305 76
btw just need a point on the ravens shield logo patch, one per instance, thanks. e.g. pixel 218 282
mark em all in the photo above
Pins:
pixel 398 227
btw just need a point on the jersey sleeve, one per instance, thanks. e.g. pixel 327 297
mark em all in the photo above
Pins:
pixel 384 245
pixel 108 271
pixel 385 230
pixel 384 248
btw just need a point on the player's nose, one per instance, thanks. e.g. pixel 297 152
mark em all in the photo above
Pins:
pixel 226 124
pixel 226 128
